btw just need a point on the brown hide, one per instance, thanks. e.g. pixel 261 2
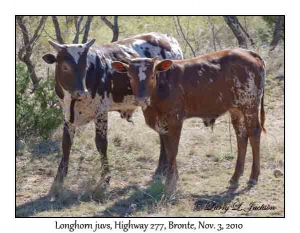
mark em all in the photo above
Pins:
pixel 207 87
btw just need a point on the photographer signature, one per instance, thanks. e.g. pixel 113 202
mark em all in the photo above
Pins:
pixel 236 206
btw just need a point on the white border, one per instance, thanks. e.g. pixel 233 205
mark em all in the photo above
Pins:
pixel 164 7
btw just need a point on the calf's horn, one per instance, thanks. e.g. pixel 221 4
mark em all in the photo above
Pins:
pixel 55 45
pixel 90 43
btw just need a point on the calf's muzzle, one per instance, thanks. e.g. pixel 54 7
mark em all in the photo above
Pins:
pixel 79 95
pixel 142 102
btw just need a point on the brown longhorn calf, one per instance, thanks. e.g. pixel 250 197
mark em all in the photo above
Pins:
pixel 208 86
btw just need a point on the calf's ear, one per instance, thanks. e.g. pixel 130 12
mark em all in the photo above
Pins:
pixel 164 65
pixel 120 67
pixel 49 58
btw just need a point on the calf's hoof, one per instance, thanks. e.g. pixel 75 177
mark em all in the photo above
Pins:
pixel 158 178
pixel 233 184
pixel 101 190
pixel 55 191
pixel 160 171
pixel 252 182
pixel 170 188
pixel 100 193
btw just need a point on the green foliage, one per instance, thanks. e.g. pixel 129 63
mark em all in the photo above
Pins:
pixel 36 114
pixel 156 190
pixel 271 21
pixel 264 35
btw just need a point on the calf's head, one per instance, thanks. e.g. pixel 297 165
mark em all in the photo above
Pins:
pixel 142 74
pixel 71 67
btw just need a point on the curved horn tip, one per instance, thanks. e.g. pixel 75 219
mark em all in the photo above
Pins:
pixel 55 45
pixel 52 42
pixel 90 43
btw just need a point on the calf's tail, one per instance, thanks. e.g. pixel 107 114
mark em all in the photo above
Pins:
pixel 262 110
pixel 262 113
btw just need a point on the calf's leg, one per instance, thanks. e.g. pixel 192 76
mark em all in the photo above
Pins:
pixel 68 135
pixel 239 126
pixel 254 132
pixel 171 142
pixel 101 144
pixel 163 162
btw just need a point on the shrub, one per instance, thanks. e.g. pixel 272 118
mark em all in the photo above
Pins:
pixel 38 113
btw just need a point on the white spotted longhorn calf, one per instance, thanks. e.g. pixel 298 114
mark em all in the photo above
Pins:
pixel 88 88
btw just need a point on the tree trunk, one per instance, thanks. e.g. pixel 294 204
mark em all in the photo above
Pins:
pixel 77 20
pixel 246 34
pixel 25 51
pixel 277 31
pixel 114 27
pixel 31 70
pixel 233 23
pixel 57 30
pixel 87 29
pixel 77 27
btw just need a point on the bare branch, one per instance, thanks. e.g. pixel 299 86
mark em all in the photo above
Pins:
pixel 25 51
pixel 176 29
pixel 107 22
pixel 25 37
pixel 184 37
pixel 57 30
pixel 77 22
pixel 23 29
pixel 277 30
pixel 217 39
pixel 87 29
pixel 114 27
pixel 212 28
pixel 233 23
pixel 38 30
pixel 187 34
pixel 246 33
pixel 51 37
pixel 68 20
pixel 245 24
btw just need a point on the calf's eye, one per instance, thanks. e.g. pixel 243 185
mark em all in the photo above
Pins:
pixel 65 68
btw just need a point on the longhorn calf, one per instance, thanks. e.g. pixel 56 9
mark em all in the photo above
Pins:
pixel 87 88
pixel 207 87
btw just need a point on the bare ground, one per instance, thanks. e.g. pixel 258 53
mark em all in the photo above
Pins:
pixel 206 162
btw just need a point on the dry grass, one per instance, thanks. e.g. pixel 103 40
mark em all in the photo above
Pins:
pixel 205 163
